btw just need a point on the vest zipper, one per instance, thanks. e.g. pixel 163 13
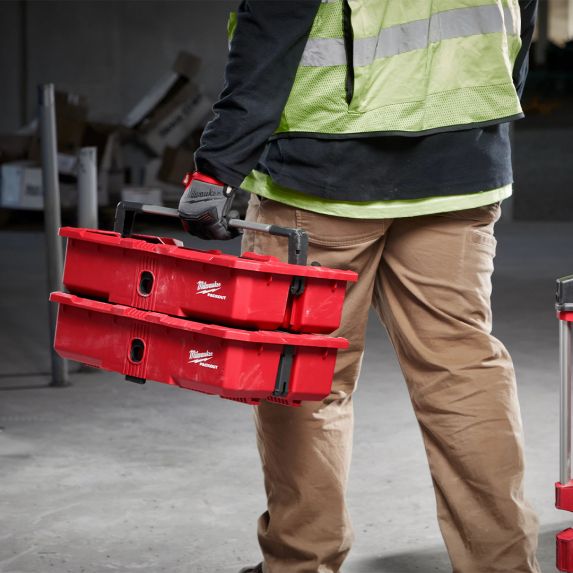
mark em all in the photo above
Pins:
pixel 349 49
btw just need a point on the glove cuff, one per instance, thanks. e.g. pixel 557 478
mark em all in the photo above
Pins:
pixel 198 176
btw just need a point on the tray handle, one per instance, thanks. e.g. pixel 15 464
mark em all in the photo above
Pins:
pixel 126 212
pixel 297 238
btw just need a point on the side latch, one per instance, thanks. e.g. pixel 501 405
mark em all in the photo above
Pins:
pixel 284 371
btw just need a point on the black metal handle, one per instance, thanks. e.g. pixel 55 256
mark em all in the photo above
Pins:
pixel 297 238
pixel 126 212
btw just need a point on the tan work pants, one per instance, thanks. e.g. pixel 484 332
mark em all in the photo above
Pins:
pixel 429 279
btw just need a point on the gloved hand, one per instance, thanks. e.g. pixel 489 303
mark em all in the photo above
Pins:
pixel 205 207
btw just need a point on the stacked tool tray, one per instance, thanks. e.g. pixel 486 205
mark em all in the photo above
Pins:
pixel 246 328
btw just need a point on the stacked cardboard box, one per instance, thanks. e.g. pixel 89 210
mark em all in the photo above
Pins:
pixel 168 121
pixel 20 157
pixel 148 153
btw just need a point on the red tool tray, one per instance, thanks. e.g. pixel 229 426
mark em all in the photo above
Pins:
pixel 157 274
pixel 564 550
pixel 248 366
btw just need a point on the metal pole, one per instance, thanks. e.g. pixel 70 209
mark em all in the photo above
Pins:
pixel 565 406
pixel 52 217
pixel 87 188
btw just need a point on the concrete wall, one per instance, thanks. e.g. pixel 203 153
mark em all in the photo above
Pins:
pixel 9 65
pixel 112 51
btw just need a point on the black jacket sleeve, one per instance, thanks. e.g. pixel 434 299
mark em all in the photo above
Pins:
pixel 528 9
pixel 264 56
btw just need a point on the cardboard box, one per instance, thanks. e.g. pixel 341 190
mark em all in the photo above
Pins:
pixel 175 164
pixel 107 139
pixel 136 158
pixel 172 109
pixel 186 65
pixel 171 193
pixel 104 135
pixel 71 123
pixel 192 113
pixel 164 91
pixel 21 186
pixel 158 93
pixel 71 116
pixel 15 147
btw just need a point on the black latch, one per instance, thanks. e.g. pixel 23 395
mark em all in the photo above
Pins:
pixel 284 372
pixel 297 246
pixel 297 286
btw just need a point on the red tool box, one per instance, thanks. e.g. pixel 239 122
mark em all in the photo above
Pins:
pixel 243 365
pixel 157 274
pixel 564 487
pixel 142 281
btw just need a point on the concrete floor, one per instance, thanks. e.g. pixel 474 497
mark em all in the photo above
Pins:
pixel 110 476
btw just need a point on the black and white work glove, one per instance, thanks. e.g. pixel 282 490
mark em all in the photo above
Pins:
pixel 205 207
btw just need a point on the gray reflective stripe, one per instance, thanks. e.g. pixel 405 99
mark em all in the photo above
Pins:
pixel 322 52
pixel 512 27
pixel 393 41
pixel 416 35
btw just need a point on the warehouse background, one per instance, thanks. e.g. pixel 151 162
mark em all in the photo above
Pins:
pixel 107 476
pixel 112 53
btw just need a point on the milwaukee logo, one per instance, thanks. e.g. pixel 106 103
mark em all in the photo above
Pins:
pixel 210 289
pixel 202 359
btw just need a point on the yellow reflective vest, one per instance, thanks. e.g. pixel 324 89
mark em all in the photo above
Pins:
pixel 407 67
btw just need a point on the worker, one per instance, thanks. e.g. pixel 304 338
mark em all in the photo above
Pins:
pixel 382 128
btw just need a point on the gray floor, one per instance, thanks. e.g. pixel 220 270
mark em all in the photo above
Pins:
pixel 110 476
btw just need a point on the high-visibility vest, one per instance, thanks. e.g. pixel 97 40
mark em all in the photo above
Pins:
pixel 405 67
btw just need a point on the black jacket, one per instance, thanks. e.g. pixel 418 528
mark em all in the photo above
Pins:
pixel 265 52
